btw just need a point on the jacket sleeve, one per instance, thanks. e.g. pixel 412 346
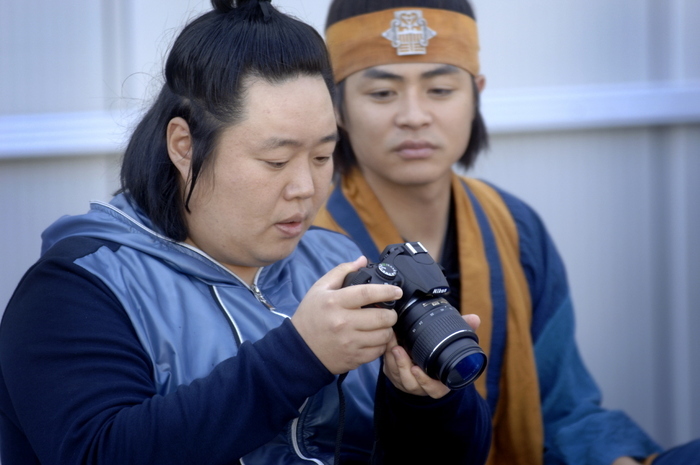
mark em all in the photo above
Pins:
pixel 577 429
pixel 455 429
pixel 77 385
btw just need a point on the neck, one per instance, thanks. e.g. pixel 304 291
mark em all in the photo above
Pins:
pixel 245 273
pixel 419 212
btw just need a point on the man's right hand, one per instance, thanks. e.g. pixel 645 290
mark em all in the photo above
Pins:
pixel 341 333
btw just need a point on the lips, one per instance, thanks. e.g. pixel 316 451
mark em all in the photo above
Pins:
pixel 415 149
pixel 292 226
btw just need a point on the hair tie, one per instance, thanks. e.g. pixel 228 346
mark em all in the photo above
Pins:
pixel 267 15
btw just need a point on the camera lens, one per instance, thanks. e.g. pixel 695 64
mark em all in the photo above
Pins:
pixel 441 342
pixel 461 363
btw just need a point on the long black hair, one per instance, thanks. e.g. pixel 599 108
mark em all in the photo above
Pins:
pixel 205 76
pixel 344 157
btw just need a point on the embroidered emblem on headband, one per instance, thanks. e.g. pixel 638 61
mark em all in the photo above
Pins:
pixel 409 33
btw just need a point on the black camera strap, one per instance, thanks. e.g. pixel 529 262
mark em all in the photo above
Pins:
pixel 341 418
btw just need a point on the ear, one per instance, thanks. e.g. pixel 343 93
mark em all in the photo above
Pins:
pixel 480 81
pixel 179 143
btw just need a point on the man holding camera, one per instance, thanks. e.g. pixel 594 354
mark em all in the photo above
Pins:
pixel 195 318
pixel 408 110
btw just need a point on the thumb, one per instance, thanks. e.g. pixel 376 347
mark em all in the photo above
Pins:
pixel 334 278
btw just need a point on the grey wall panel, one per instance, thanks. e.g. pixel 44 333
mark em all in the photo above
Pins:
pixel 34 193
pixel 690 38
pixel 51 56
pixel 536 43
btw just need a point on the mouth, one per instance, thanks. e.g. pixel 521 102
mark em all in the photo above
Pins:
pixel 292 226
pixel 415 149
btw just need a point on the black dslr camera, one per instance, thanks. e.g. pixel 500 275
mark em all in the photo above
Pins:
pixel 430 329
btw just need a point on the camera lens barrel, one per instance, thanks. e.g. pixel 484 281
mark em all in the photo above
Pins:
pixel 441 342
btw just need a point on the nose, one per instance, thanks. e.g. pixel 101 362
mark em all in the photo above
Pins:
pixel 413 112
pixel 301 182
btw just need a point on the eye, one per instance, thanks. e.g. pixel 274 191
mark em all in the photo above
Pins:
pixel 276 164
pixel 322 160
pixel 383 94
pixel 440 91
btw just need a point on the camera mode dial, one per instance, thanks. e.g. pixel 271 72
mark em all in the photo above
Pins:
pixel 387 270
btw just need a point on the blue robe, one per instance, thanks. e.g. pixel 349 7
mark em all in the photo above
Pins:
pixel 545 404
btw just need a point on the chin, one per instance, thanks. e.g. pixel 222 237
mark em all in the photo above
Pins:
pixel 417 177
pixel 281 252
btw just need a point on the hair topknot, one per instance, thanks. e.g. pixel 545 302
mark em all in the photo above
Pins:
pixel 223 6
pixel 226 6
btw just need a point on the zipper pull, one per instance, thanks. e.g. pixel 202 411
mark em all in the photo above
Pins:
pixel 261 297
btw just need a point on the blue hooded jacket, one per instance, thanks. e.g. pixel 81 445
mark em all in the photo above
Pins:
pixel 144 349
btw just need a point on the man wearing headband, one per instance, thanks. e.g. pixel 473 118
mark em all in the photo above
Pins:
pixel 408 110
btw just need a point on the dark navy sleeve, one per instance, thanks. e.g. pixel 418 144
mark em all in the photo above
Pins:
pixel 76 386
pixel 455 429
pixel 577 429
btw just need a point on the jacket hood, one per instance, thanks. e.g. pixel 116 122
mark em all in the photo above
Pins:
pixel 122 222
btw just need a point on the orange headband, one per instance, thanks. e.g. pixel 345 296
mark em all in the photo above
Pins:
pixel 403 35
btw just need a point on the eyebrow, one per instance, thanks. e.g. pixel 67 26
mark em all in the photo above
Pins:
pixel 374 73
pixel 277 142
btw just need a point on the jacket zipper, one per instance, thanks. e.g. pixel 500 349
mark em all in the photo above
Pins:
pixel 295 423
pixel 261 298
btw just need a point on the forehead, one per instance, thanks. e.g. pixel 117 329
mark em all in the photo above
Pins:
pixel 299 110
pixel 293 96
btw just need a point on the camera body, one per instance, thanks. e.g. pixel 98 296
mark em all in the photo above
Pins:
pixel 430 329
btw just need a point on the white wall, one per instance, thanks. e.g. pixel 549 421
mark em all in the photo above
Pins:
pixel 594 110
